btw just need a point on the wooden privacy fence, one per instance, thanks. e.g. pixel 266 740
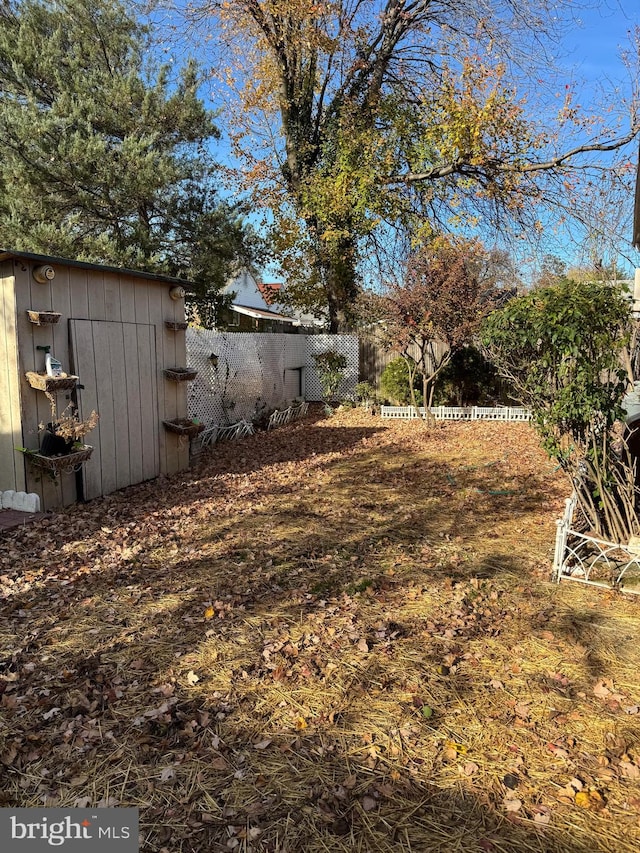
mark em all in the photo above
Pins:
pixel 373 359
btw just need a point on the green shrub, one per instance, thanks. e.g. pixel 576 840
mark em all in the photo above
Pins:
pixel 365 392
pixel 394 383
pixel 331 367
pixel 470 380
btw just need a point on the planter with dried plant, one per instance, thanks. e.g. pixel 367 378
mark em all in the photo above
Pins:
pixel 65 432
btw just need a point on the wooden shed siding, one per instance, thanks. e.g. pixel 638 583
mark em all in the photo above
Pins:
pixel 97 295
pixel 12 475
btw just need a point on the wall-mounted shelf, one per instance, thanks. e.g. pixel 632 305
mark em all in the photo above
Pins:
pixel 183 426
pixel 180 374
pixel 43 318
pixel 175 326
pixel 44 382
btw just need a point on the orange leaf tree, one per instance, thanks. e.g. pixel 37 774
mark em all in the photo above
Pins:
pixel 434 312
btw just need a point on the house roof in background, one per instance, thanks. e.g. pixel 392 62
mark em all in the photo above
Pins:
pixel 260 314
pixel 5 254
pixel 269 291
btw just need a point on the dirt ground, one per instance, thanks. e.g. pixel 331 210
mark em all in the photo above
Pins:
pixel 337 636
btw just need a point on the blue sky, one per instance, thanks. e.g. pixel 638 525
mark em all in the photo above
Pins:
pixel 593 48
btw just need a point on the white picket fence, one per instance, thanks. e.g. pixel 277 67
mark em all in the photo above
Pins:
pixel 459 413
pixel 216 432
pixel 293 413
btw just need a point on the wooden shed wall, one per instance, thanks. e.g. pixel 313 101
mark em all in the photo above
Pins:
pixel 102 297
pixel 12 474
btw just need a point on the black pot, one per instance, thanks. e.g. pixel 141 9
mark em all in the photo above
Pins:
pixel 54 445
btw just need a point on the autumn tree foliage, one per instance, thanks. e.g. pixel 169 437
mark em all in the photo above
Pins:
pixel 434 312
pixel 362 121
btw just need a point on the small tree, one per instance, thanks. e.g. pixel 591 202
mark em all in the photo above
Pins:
pixel 563 348
pixel 330 366
pixel 434 312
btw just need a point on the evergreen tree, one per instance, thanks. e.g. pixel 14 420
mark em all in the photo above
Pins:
pixel 102 156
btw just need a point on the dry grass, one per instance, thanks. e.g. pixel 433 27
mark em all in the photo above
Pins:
pixel 339 636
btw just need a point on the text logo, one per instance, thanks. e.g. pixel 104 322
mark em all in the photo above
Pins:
pixel 31 830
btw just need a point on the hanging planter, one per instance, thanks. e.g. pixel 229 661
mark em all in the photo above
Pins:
pixel 175 326
pixel 52 444
pixel 63 464
pixel 183 426
pixel 43 318
pixel 44 382
pixel 180 374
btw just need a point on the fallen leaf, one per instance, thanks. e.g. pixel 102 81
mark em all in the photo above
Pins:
pixel 512 805
pixel 369 803
pixel 10 676
pixel 192 678
pixel 51 713
pixel 262 744
pixel 209 613
pixel 601 690
pixel 459 748
pixel 629 770
pixel 557 750
pixel 542 818
pixel 591 800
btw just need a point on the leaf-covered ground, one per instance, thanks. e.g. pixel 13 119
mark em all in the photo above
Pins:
pixel 337 636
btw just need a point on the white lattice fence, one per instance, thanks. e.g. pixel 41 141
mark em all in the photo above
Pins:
pixel 346 345
pixel 240 375
pixel 243 374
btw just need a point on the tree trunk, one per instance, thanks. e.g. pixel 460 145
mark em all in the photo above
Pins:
pixel 336 264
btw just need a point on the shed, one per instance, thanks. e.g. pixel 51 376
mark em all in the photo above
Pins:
pixel 122 333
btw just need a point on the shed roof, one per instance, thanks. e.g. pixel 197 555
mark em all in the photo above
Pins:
pixel 5 254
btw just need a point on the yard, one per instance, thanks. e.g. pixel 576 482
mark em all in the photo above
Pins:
pixel 337 636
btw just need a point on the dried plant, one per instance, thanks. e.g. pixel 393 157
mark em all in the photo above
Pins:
pixel 67 424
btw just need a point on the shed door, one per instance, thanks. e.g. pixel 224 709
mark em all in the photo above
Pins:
pixel 116 364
